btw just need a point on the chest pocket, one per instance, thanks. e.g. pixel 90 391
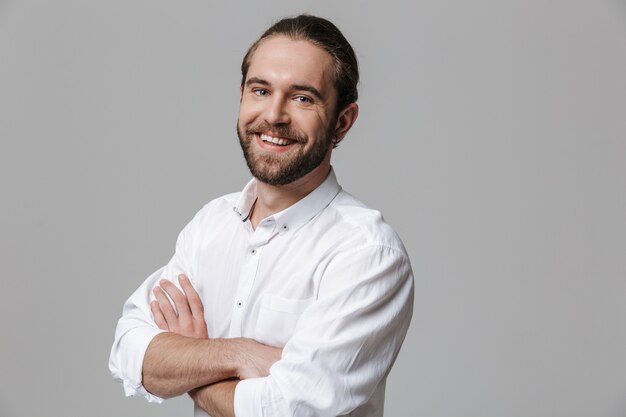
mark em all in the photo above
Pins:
pixel 277 319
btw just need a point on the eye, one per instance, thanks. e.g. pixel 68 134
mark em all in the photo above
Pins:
pixel 260 92
pixel 303 99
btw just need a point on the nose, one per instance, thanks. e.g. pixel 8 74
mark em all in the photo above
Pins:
pixel 277 111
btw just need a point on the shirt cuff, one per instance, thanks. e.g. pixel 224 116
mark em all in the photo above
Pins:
pixel 253 397
pixel 138 340
pixel 247 400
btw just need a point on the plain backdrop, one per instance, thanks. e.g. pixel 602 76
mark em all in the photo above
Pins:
pixel 492 135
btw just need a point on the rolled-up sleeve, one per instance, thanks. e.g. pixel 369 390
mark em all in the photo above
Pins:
pixel 344 343
pixel 136 328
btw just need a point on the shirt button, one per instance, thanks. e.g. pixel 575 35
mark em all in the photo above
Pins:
pixel 239 304
pixel 253 251
pixel 285 227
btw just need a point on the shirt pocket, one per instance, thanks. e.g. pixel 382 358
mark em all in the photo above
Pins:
pixel 277 318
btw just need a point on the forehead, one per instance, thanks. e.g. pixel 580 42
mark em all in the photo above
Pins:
pixel 281 59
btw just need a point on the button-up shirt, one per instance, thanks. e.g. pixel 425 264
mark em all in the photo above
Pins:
pixel 325 279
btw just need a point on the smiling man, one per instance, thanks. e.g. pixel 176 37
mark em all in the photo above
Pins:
pixel 290 298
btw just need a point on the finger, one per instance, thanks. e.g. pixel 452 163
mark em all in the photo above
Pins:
pixel 193 299
pixel 180 301
pixel 166 308
pixel 159 319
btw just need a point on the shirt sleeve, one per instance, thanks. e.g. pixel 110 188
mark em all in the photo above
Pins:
pixel 344 343
pixel 136 328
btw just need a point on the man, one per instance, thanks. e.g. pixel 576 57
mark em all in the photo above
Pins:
pixel 293 298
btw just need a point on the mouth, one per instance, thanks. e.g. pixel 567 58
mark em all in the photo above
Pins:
pixel 274 140
pixel 273 143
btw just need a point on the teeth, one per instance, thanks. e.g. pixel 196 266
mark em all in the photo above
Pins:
pixel 275 141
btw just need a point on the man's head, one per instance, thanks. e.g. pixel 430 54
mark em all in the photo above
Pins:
pixel 325 35
pixel 298 95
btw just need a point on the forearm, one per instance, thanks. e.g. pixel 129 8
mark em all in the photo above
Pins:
pixel 175 364
pixel 216 399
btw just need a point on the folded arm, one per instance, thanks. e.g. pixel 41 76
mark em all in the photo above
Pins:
pixel 161 352
pixel 185 358
pixel 342 349
pixel 216 399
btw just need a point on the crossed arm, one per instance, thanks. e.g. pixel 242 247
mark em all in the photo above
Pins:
pixel 185 359
pixel 342 348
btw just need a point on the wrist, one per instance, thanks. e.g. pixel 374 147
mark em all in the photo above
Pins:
pixel 216 399
pixel 234 349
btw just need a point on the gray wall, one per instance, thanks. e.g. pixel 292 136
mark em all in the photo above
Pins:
pixel 491 135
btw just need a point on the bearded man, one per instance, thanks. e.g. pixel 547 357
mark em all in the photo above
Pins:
pixel 290 298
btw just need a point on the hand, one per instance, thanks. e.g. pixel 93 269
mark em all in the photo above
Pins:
pixel 255 359
pixel 188 318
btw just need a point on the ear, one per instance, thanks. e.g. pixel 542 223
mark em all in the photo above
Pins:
pixel 240 92
pixel 346 119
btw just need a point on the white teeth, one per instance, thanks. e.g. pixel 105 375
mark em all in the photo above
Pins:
pixel 275 141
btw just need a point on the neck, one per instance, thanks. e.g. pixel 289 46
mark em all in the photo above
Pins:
pixel 272 199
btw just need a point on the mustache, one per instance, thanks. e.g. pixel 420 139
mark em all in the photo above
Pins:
pixel 277 130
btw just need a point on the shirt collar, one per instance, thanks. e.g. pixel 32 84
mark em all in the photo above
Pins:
pixel 297 214
pixel 243 206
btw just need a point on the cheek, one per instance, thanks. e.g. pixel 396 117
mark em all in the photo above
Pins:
pixel 314 123
pixel 249 110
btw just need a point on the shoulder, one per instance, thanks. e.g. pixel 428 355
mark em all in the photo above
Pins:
pixel 360 226
pixel 214 213
pixel 364 251
pixel 217 206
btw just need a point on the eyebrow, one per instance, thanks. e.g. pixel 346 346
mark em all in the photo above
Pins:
pixel 295 87
pixel 309 88
pixel 256 80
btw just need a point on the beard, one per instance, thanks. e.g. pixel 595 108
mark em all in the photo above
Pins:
pixel 282 169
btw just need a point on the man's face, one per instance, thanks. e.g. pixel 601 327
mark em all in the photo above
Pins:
pixel 286 116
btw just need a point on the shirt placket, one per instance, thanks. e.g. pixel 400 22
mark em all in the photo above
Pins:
pixel 249 270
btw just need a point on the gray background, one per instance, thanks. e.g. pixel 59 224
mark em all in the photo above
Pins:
pixel 491 135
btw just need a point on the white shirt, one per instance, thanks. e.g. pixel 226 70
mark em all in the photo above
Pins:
pixel 326 279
